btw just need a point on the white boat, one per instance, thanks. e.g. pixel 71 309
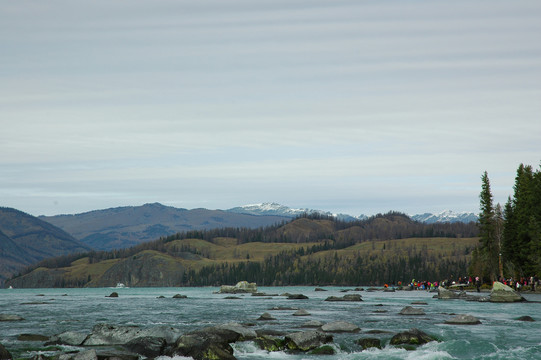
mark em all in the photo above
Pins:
pixel 120 285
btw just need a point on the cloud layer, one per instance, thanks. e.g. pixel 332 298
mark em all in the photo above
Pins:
pixel 347 106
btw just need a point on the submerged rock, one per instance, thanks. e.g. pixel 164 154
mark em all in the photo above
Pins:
pixel 179 296
pixel 114 294
pixel 503 293
pixel 411 337
pixel 525 318
pixel 463 319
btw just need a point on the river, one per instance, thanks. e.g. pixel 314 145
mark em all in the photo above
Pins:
pixel 499 336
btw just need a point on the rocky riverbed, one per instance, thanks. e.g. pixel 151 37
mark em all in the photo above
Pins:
pixel 201 324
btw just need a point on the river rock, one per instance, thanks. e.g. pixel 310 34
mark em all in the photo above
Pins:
pixel 301 312
pixel 10 317
pixel 241 287
pixel 368 343
pixel 4 353
pixel 266 316
pixel 32 337
pixel 148 346
pixel 349 297
pixel 408 310
pixel 270 343
pixel 525 318
pixel 114 294
pixel 297 297
pixel 323 350
pixel 86 355
pixel 503 293
pixel 207 343
pixel 72 338
pixel 463 319
pixel 446 294
pixel 179 296
pixel 340 327
pixel 411 337
pixel 319 289
pixel 312 324
pixel 307 340
pixel 106 334
pixel 244 332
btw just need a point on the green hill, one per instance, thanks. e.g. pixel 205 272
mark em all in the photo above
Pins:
pixel 306 251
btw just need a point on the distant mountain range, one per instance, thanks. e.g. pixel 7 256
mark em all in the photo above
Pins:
pixel 126 226
pixel 281 210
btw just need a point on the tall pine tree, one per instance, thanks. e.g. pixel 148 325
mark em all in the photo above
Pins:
pixel 488 250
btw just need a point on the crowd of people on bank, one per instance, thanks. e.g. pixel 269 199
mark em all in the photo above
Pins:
pixel 524 283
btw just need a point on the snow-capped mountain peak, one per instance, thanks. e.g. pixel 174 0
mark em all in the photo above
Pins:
pixel 445 216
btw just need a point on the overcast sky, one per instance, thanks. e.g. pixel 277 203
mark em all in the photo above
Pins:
pixel 357 107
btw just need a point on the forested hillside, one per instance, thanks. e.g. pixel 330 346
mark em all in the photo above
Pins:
pixel 25 239
pixel 311 249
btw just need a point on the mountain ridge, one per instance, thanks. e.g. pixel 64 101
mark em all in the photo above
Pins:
pixel 25 239
pixel 282 210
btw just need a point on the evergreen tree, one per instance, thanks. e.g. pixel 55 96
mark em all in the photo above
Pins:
pixel 488 250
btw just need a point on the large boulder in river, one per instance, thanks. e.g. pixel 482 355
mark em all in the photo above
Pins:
pixel 207 343
pixel 307 340
pixel 241 287
pixel 106 334
pixel 411 337
pixel 148 346
pixel 446 294
pixel 4 353
pixel 503 293
pixel 72 338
